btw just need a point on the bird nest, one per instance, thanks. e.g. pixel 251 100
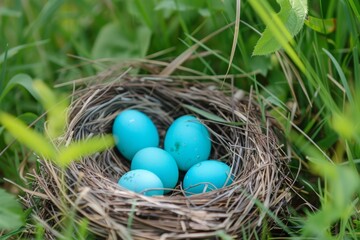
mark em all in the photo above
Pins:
pixel 241 136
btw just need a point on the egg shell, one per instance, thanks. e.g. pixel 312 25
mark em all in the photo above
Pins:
pixel 133 131
pixel 160 162
pixel 142 181
pixel 206 176
pixel 188 141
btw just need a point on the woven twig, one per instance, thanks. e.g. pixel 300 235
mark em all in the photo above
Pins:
pixel 246 141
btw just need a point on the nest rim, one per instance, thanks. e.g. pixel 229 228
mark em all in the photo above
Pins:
pixel 174 216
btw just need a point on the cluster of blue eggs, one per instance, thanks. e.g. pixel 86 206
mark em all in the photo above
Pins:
pixel 155 171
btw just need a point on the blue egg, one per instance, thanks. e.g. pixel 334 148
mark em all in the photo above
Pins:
pixel 188 141
pixel 160 162
pixel 133 131
pixel 142 181
pixel 206 176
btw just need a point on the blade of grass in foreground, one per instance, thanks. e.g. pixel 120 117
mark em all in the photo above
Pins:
pixel 55 106
pixel 28 137
pixel 83 148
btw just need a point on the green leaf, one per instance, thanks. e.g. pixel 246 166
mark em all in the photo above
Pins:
pixel 324 26
pixel 27 136
pixel 15 50
pixel 23 80
pixel 209 115
pixel 116 41
pixel 260 64
pixel 11 214
pixel 55 106
pixel 280 33
pixel 292 14
pixel 83 148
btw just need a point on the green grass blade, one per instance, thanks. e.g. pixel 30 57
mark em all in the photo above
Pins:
pixel 45 15
pixel 23 80
pixel 15 50
pixel 27 136
pixel 236 35
pixel 342 76
pixel 55 106
pixel 206 64
pixel 83 148
pixel 356 68
pixel 144 13
pixel 3 70
pixel 252 78
pixel 355 7
pixel 209 115
pixel 82 231
pixel 131 214
pixel 39 232
pixel 222 235
pixel 343 185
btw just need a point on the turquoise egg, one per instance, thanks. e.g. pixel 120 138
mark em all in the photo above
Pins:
pixel 206 176
pixel 142 181
pixel 188 141
pixel 160 162
pixel 133 131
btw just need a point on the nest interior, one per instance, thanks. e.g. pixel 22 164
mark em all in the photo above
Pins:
pixel 242 138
